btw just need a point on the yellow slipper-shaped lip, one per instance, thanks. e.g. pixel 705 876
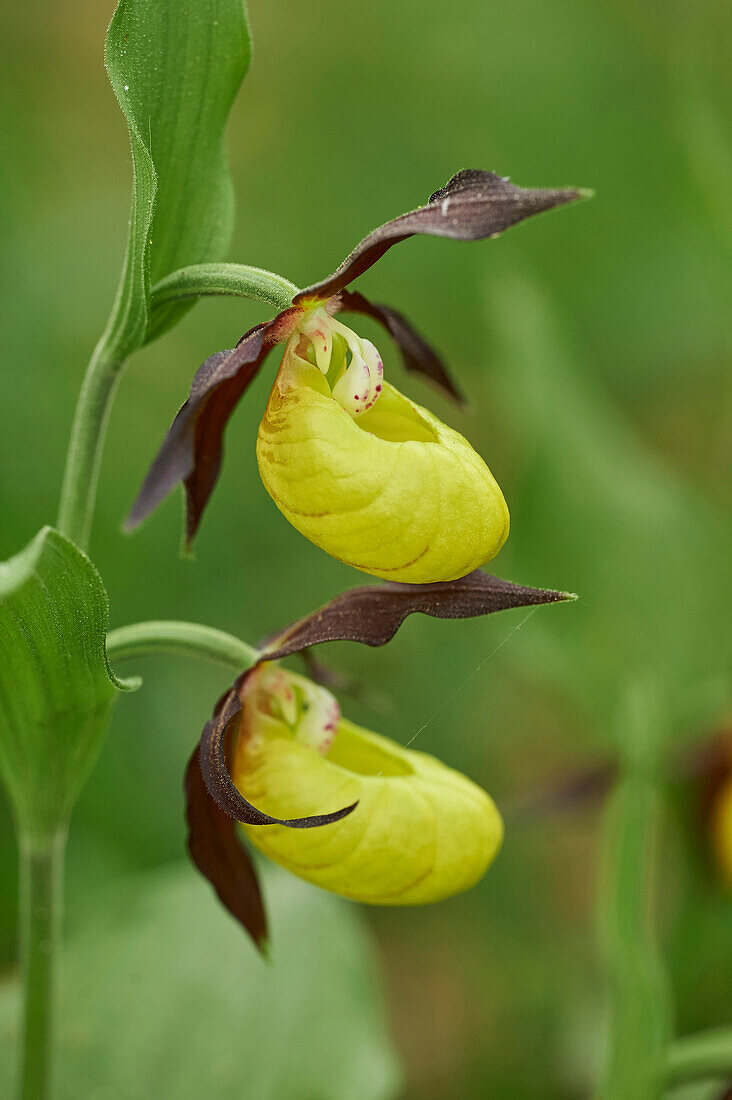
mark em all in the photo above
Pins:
pixel 420 832
pixel 395 492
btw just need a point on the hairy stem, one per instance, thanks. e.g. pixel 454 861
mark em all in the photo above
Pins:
pixel 125 333
pixel 189 639
pixel 40 908
pixel 237 280
pixel 83 458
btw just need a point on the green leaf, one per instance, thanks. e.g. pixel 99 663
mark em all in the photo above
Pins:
pixel 176 69
pixel 165 996
pixel 640 1016
pixel 56 687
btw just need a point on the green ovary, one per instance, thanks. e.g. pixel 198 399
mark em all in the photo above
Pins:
pixel 395 492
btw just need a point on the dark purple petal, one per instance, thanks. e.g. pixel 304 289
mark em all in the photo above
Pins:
pixel 576 791
pixel 473 205
pixel 417 354
pixel 373 613
pixel 192 449
pixel 221 857
pixel 214 751
pixel 343 683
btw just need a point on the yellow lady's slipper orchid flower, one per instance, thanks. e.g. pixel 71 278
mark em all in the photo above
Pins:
pixel 363 472
pixel 366 474
pixel 420 832
pixel 336 804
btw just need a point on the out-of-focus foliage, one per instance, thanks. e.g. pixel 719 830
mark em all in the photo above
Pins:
pixel 640 1025
pixel 165 997
pixel 593 346
pixel 646 551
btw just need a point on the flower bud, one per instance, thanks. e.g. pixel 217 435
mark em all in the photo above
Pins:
pixel 369 476
pixel 420 832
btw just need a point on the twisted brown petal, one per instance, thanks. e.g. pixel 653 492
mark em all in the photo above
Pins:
pixel 417 354
pixel 220 856
pixel 373 613
pixel 191 451
pixel 213 755
pixel 473 205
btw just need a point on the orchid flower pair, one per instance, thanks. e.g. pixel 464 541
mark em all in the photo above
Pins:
pixel 382 484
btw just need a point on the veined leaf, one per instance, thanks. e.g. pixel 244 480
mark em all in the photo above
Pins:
pixel 175 69
pixel 56 688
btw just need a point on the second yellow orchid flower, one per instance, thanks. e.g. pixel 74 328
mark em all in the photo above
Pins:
pixel 419 832
pixel 338 805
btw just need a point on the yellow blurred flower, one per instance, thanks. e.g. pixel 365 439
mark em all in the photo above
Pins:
pixel 721 824
pixel 716 795
pixel 420 832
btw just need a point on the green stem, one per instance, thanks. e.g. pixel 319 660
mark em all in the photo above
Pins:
pixel 126 332
pixel 40 906
pixel 189 639
pixel 83 459
pixel 237 280
pixel 707 1054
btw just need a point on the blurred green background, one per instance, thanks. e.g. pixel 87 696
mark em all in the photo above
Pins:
pixel 594 346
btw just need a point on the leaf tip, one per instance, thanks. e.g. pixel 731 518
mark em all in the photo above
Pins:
pixel 552 595
pixel 187 551
pixel 264 948
pixel 125 683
